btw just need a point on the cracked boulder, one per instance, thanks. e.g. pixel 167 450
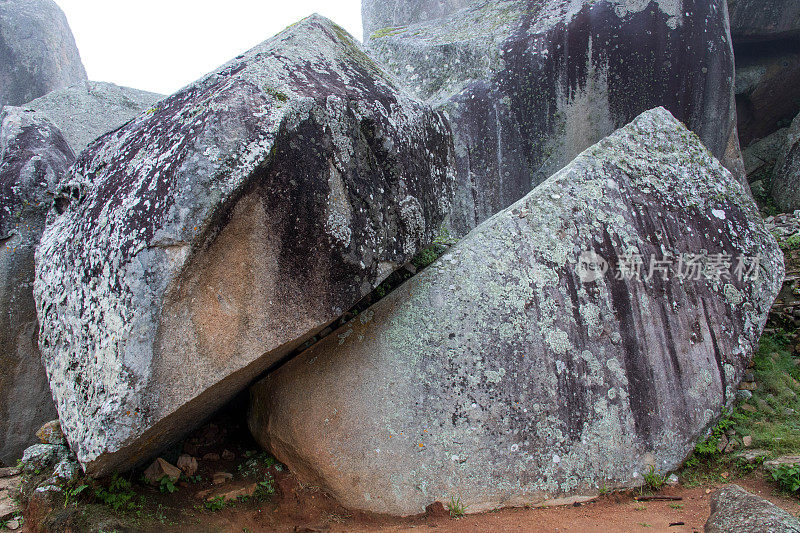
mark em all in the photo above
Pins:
pixel 34 157
pixel 37 51
pixel 203 241
pixel 535 362
pixel 529 84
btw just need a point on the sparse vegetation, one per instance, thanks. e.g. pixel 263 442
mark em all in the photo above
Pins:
pixel 166 485
pixel 119 494
pixel 456 508
pixel 653 480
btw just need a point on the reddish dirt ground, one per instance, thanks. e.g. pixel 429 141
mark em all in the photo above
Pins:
pixel 302 510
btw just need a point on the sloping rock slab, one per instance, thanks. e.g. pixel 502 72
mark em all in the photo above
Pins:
pixel 88 110
pixel 34 157
pixel 384 16
pixel 37 51
pixel 510 372
pixel 215 233
pixel 529 84
pixel 734 510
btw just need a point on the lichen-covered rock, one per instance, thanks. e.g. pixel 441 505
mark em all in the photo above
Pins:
pixel 786 175
pixel 761 20
pixel 510 372
pixel 734 510
pixel 384 16
pixel 209 237
pixel 37 51
pixel 529 84
pixel 88 110
pixel 34 157
pixel 767 90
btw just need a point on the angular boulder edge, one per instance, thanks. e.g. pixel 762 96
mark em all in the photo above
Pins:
pixel 204 240
pixel 505 374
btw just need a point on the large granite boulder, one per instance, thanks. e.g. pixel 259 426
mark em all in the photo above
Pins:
pixel 33 158
pixel 37 51
pixel 204 240
pixel 88 110
pixel 761 20
pixel 529 84
pixel 786 175
pixel 734 510
pixel 767 90
pixel 384 16
pixel 531 363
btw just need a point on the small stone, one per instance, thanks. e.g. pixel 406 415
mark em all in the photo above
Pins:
pixel 749 408
pixel 748 386
pixel 722 444
pixel 211 457
pixel 221 477
pixel 743 395
pixel 187 464
pixel 749 376
pixel 751 456
pixel 235 494
pixel 13 524
pixel 672 480
pixel 228 455
pixel 747 441
pixel 50 433
pixel 161 469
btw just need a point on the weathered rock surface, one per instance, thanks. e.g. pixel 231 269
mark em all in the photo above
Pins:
pixel 498 377
pixel 383 16
pixel 529 84
pixel 88 110
pixel 760 157
pixel 211 236
pixel 760 20
pixel 33 158
pixel 37 51
pixel 734 510
pixel 767 89
pixel 786 176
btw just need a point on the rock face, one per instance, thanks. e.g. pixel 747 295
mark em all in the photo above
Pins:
pixel 383 16
pixel 37 51
pixel 33 158
pixel 786 176
pixel 528 84
pixel 760 157
pixel 86 111
pixel 209 237
pixel 734 510
pixel 760 20
pixel 511 371
pixel 767 89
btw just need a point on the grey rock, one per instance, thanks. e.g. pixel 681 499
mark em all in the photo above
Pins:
pixel 743 395
pixel 764 20
pixel 385 16
pixel 673 480
pixel 55 459
pixel 761 156
pixel 88 110
pixel 208 238
pixel 497 376
pixel 786 175
pixel 752 456
pixel 783 460
pixel 734 510
pixel 767 90
pixel 34 157
pixel 37 51
pixel 529 84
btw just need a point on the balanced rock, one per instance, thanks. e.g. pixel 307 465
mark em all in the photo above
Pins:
pixel 527 85
pixel 535 361
pixel 88 110
pixel 209 237
pixel 734 510
pixel 786 176
pixel 37 51
pixel 762 20
pixel 34 157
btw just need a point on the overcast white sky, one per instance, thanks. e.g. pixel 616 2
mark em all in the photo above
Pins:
pixel 162 45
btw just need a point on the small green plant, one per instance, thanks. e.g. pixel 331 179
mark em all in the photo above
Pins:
pixel 456 508
pixel 654 481
pixel 603 490
pixel 676 506
pixel 791 243
pixel 265 489
pixel 72 493
pixel 215 504
pixel 788 477
pixel 119 494
pixel 167 485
